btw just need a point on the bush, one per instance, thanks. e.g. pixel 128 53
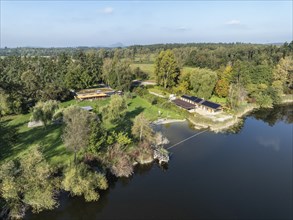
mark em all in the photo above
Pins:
pixel 79 180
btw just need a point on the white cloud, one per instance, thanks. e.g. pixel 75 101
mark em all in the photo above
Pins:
pixel 107 10
pixel 233 22
pixel 273 143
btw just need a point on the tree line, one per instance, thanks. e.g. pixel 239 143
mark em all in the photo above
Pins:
pixel 27 80
pixel 242 80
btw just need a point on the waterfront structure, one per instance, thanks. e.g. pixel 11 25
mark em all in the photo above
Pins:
pixel 192 102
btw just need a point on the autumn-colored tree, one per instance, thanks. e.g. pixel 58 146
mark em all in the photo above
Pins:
pixel 284 73
pixel 223 84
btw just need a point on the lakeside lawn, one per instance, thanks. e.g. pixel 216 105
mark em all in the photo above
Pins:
pixel 50 138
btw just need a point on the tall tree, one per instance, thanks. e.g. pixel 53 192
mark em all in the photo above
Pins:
pixel 203 82
pixel 141 128
pixel 284 73
pixel 77 130
pixel 118 74
pixel 115 110
pixel 166 69
pixel 222 86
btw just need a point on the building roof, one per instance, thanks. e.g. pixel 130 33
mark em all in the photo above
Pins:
pixel 192 98
pixel 200 101
pixel 186 96
pixel 183 104
pixel 91 95
pixel 211 104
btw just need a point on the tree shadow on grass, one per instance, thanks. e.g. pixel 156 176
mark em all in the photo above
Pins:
pixel 126 122
pixel 48 139
pixel 8 138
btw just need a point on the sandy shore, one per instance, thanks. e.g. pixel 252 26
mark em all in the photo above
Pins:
pixel 167 121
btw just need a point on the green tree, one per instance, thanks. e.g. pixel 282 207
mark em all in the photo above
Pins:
pixel 79 180
pixel 4 104
pixel 203 82
pixel 97 138
pixel 28 182
pixel 73 75
pixel 77 131
pixel 116 109
pixel 44 111
pixel 166 69
pixel 141 128
pixel 118 74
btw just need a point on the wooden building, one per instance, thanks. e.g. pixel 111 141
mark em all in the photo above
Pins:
pixel 91 96
pixel 198 103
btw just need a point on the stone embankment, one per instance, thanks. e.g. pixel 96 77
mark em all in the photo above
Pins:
pixel 221 122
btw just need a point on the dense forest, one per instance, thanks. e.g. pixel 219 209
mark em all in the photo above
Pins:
pixel 255 72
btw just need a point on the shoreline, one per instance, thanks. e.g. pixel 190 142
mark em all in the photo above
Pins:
pixel 219 126
pixel 167 121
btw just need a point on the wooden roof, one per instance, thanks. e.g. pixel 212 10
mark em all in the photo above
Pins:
pixel 91 95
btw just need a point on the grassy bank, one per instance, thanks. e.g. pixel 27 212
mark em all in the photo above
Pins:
pixel 49 139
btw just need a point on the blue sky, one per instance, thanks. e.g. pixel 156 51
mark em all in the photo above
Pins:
pixel 102 23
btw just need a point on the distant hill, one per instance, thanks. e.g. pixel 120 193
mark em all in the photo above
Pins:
pixel 118 44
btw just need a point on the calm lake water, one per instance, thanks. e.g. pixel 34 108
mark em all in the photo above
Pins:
pixel 243 175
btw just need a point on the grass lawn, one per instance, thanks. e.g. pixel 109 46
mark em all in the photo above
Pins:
pixel 49 138
pixel 151 111
pixel 159 91
pixel 218 100
pixel 148 68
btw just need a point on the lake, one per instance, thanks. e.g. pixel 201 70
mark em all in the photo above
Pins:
pixel 242 175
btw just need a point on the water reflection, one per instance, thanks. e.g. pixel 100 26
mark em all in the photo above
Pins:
pixel 272 116
pixel 273 143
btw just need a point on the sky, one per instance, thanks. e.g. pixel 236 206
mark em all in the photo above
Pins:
pixel 103 23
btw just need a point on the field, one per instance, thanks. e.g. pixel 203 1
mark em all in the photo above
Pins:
pixel 147 68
